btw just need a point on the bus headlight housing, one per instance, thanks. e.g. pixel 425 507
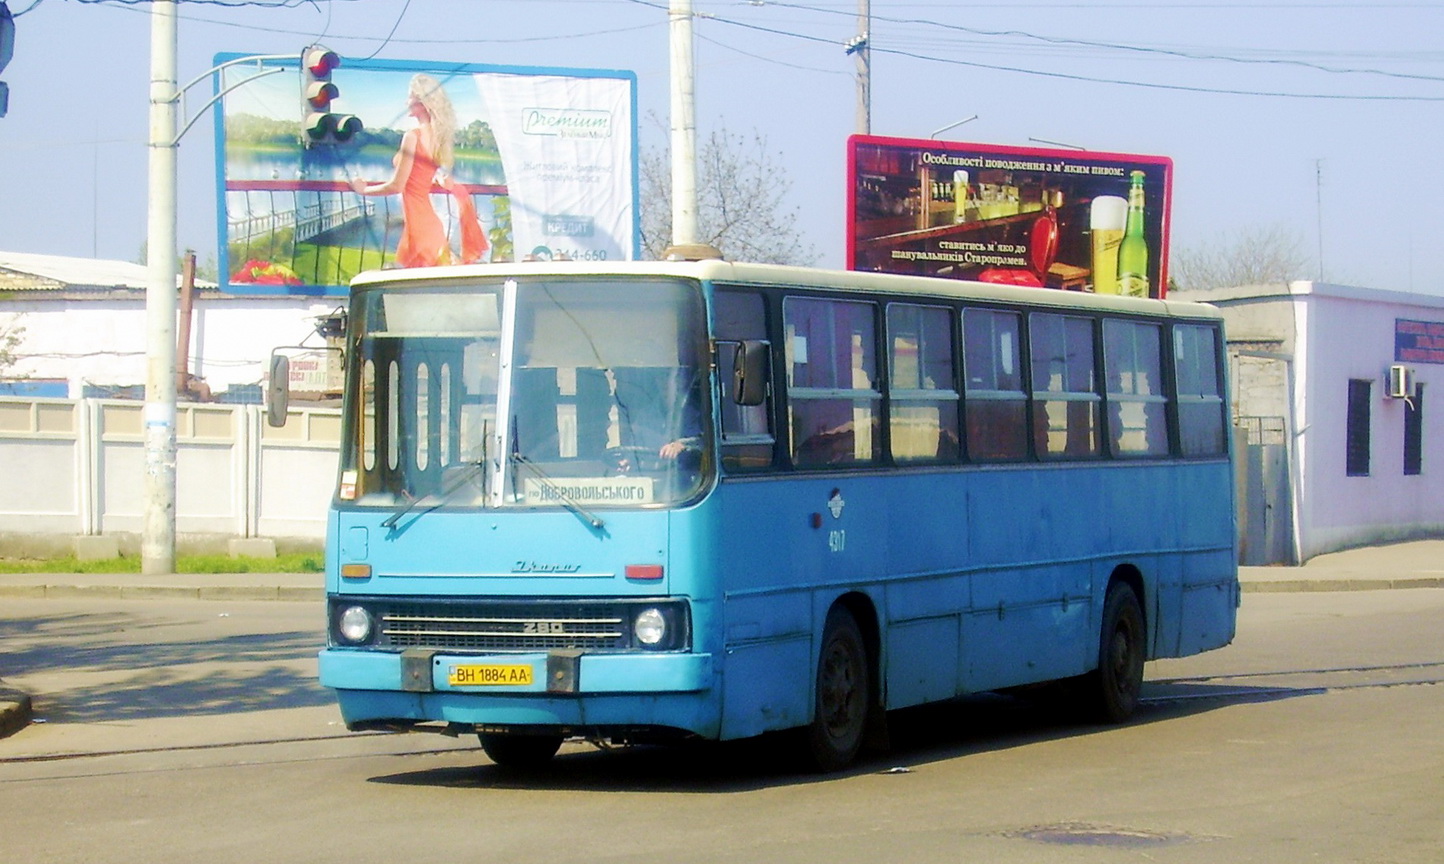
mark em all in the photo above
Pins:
pixel 650 627
pixel 355 625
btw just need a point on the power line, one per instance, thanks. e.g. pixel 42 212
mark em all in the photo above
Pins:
pixel 1071 76
pixel 1115 46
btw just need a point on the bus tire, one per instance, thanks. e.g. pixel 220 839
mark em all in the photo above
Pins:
pixel 840 708
pixel 519 751
pixel 1114 687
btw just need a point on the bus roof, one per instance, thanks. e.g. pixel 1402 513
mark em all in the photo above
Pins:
pixel 719 272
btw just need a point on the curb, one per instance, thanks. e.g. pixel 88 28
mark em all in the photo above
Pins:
pixel 163 592
pixel 15 710
pixel 1280 586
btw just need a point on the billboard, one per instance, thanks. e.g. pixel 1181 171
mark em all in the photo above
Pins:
pixel 454 163
pixel 1074 220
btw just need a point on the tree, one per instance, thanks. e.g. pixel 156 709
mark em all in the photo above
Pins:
pixel 741 190
pixel 1256 255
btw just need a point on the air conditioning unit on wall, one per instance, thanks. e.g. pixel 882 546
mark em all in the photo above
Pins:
pixel 1401 382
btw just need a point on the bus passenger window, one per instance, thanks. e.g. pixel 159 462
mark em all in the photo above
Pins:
pixel 923 415
pixel 747 440
pixel 1065 391
pixel 1201 421
pixel 832 388
pixel 995 406
pixel 1137 406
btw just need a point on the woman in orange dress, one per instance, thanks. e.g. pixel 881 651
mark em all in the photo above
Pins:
pixel 426 151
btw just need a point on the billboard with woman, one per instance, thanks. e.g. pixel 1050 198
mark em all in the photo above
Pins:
pixel 456 163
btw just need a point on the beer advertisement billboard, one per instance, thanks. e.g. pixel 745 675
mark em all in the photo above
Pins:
pixel 442 164
pixel 1066 219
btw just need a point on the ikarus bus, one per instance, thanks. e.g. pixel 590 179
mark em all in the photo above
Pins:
pixel 642 502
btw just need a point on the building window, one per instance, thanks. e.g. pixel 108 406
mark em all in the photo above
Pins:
pixel 1356 457
pixel 1414 432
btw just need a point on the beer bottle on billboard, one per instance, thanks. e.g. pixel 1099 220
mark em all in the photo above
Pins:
pixel 1133 251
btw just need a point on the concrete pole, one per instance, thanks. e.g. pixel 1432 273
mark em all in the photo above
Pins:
pixel 157 546
pixel 684 127
pixel 864 68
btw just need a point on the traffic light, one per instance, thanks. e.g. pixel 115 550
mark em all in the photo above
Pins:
pixel 7 49
pixel 319 124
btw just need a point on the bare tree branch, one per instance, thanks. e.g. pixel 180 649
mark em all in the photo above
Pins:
pixel 741 207
pixel 1252 255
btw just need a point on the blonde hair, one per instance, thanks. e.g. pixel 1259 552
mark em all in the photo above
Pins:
pixel 427 91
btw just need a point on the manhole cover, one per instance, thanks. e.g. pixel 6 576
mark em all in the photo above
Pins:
pixel 1076 834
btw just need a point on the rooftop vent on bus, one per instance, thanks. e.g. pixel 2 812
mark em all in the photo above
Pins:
pixel 691 252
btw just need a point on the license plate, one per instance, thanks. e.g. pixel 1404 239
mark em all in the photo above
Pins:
pixel 489 675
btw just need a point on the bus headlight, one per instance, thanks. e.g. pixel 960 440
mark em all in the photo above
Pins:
pixel 355 625
pixel 650 627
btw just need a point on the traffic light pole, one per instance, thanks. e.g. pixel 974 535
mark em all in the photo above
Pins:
pixel 157 547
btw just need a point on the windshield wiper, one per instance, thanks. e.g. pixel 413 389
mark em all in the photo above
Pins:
pixel 558 492
pixel 464 476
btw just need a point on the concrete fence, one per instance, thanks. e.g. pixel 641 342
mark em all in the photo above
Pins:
pixel 72 469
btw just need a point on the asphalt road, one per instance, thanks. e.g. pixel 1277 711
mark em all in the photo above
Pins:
pixel 192 730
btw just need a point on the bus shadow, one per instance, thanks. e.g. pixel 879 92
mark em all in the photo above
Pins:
pixel 918 736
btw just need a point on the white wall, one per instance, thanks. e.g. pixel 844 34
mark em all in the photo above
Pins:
pixel 76 467
pixel 1349 334
pixel 1329 335
pixel 102 341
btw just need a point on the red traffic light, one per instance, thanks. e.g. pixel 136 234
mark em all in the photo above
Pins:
pixel 320 61
pixel 320 94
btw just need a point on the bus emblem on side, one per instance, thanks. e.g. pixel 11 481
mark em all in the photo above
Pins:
pixel 835 504
pixel 537 567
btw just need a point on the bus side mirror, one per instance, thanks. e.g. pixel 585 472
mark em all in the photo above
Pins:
pixel 749 372
pixel 278 390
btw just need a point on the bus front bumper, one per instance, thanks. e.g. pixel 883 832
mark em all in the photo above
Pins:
pixel 561 688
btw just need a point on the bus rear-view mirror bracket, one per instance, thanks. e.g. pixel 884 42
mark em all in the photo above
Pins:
pixel 278 381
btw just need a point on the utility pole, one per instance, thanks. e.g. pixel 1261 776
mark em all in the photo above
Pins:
pixel 684 127
pixel 1319 205
pixel 862 47
pixel 157 547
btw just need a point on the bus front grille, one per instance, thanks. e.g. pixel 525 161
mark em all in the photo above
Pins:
pixel 462 629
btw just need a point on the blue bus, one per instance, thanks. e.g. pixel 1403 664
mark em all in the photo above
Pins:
pixel 638 502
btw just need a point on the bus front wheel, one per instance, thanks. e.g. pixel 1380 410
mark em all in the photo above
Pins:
pixel 843 688
pixel 1116 684
pixel 520 751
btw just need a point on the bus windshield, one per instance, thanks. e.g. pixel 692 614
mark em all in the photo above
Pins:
pixel 529 392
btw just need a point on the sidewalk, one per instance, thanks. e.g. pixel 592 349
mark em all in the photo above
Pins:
pixel 1418 564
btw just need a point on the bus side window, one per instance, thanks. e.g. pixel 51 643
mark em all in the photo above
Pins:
pixel 746 435
pixel 995 406
pixel 1066 420
pixel 1137 405
pixel 923 411
pixel 1202 426
pixel 833 400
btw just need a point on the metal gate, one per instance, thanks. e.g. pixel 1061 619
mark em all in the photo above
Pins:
pixel 1265 511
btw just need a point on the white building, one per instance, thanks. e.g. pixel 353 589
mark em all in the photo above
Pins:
pixel 1331 383
pixel 84 329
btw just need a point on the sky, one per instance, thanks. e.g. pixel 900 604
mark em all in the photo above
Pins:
pixel 1322 119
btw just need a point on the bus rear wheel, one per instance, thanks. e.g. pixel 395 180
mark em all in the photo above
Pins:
pixel 1115 686
pixel 843 689
pixel 519 751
